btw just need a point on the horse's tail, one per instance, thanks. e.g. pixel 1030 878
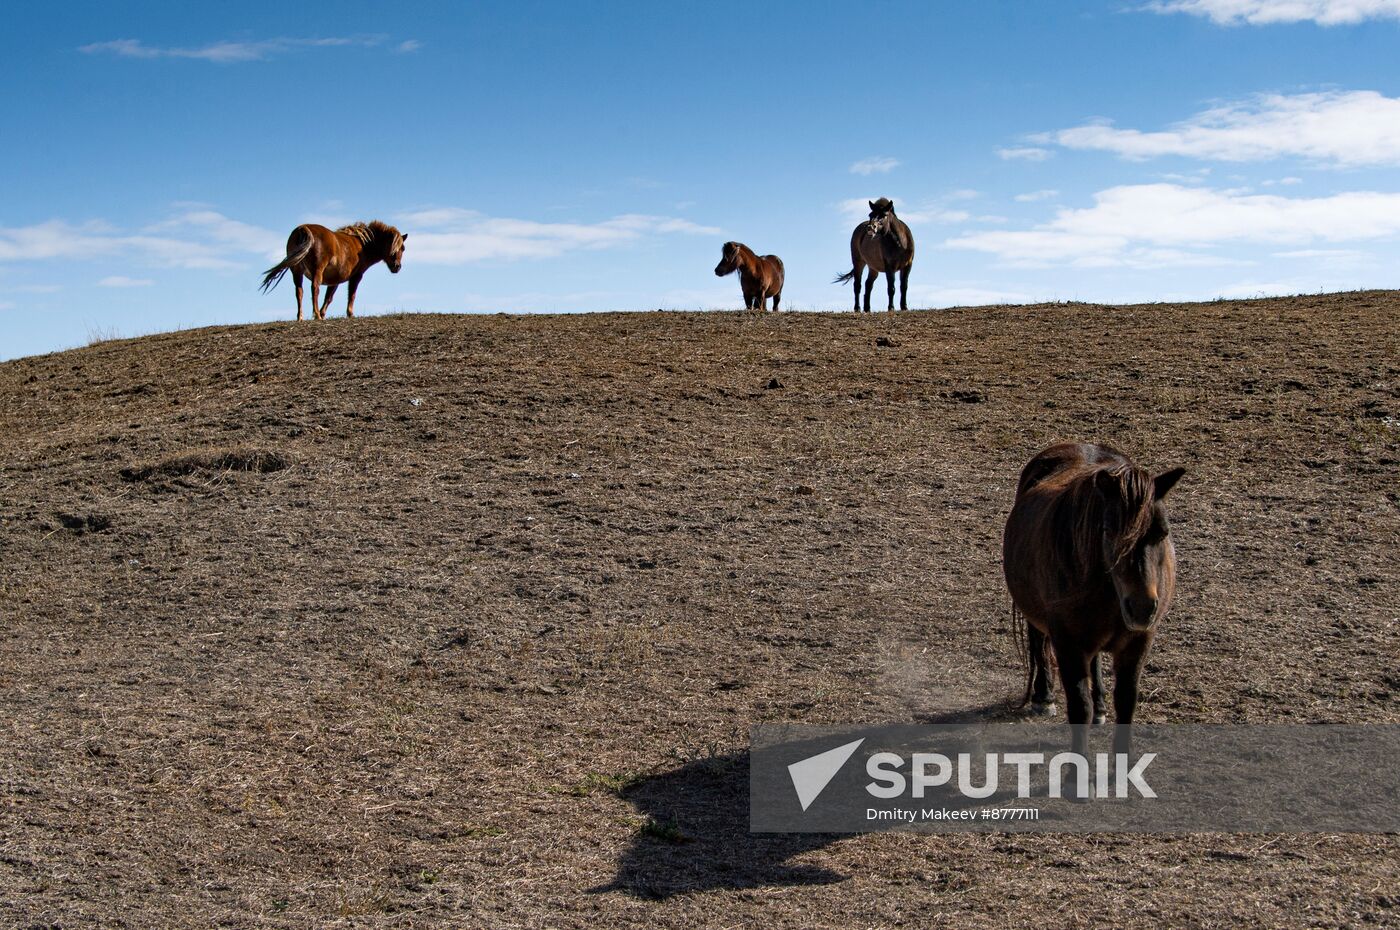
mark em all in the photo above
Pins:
pixel 846 278
pixel 295 254
pixel 1021 636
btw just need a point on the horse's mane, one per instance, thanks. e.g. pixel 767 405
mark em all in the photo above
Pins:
pixel 1093 499
pixel 370 232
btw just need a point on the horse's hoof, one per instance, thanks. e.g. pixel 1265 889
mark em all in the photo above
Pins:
pixel 1043 710
pixel 1100 719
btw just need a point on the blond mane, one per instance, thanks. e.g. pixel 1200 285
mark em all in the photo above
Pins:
pixel 371 231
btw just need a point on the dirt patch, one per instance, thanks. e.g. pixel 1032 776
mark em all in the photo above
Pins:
pixel 488 653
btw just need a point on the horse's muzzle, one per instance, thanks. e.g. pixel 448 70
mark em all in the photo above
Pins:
pixel 1139 612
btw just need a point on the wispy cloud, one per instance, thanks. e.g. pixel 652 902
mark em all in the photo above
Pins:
pixel 232 51
pixel 1033 196
pixel 1166 225
pixel 1343 129
pixel 200 239
pixel 121 280
pixel 1024 153
pixel 1265 12
pixel 876 165
pixel 454 236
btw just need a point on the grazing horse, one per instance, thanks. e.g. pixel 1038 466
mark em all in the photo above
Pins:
pixel 760 277
pixel 884 243
pixel 1090 566
pixel 333 258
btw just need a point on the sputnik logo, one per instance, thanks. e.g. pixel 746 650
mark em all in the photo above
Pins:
pixel 811 776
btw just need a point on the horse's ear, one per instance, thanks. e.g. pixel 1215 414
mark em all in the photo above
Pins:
pixel 404 237
pixel 872 205
pixel 1165 482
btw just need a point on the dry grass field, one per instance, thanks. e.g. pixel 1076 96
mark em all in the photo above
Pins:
pixel 461 621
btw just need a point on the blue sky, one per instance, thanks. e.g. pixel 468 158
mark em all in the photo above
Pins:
pixel 569 156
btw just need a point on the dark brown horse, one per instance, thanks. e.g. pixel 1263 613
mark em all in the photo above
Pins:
pixel 884 243
pixel 1089 562
pixel 760 276
pixel 333 258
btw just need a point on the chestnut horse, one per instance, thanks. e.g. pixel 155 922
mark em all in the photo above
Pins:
pixel 760 277
pixel 1090 566
pixel 884 243
pixel 333 258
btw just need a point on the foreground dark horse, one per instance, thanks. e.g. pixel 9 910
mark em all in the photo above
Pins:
pixel 332 258
pixel 760 277
pixel 1089 562
pixel 885 244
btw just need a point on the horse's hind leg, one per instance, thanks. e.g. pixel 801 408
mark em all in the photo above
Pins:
pixel 296 279
pixel 1096 679
pixel 870 286
pixel 1041 702
pixel 859 270
pixel 777 297
pixel 330 293
pixel 315 298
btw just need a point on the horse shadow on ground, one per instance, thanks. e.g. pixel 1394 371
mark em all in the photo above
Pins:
pixel 696 836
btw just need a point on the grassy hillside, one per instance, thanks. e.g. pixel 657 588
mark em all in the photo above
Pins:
pixel 462 620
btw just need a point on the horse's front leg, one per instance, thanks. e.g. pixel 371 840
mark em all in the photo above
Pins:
pixel 1074 675
pixel 904 288
pixel 1127 671
pixel 350 297
pixel 889 280
pixel 1096 680
pixel 296 279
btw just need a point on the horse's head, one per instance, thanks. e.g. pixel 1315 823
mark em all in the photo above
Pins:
pixel 881 212
pixel 1136 541
pixel 729 259
pixel 393 253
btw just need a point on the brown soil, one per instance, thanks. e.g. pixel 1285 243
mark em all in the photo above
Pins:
pixel 460 621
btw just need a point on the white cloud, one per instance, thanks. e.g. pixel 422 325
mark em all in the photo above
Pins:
pixel 857 209
pixel 964 297
pixel 876 165
pixel 1343 128
pixel 1263 12
pixel 1162 225
pixel 1033 196
pixel 1024 153
pixel 237 51
pixel 453 236
pixel 120 280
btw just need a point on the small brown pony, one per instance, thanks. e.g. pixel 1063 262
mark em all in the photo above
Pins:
pixel 760 277
pixel 884 243
pixel 333 258
pixel 1089 562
